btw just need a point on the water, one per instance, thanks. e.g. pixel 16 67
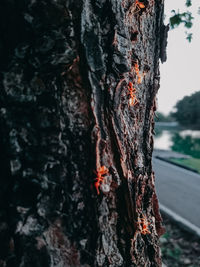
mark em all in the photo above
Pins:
pixel 182 141
pixel 163 140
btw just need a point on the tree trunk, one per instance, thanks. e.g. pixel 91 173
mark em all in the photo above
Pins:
pixel 78 87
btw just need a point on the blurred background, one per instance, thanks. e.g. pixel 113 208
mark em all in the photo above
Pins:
pixel 178 116
pixel 176 158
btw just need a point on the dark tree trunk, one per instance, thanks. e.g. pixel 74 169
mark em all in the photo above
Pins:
pixel 78 87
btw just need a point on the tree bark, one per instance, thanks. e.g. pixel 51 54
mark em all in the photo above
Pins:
pixel 78 88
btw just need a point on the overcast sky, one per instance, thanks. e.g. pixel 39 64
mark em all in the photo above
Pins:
pixel 180 75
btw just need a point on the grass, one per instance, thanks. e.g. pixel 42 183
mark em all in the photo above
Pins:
pixel 191 162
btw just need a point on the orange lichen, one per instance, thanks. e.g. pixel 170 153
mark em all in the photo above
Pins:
pixel 100 178
pixel 133 100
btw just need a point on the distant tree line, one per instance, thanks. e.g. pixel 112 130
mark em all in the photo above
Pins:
pixel 188 111
pixel 160 117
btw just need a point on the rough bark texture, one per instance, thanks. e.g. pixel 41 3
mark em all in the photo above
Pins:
pixel 66 69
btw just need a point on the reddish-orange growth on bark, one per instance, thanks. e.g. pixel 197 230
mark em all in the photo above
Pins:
pixel 133 100
pixel 139 4
pixel 136 67
pixel 99 179
pixel 143 225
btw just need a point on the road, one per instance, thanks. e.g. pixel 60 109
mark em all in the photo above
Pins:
pixel 178 190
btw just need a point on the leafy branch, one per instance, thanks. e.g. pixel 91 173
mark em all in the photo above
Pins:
pixel 184 18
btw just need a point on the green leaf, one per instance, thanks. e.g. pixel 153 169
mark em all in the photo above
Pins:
pixel 175 20
pixel 188 24
pixel 189 37
pixel 188 3
pixel 178 18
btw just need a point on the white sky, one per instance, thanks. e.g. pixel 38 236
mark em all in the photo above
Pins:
pixel 180 75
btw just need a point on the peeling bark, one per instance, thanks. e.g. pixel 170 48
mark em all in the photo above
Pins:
pixel 67 69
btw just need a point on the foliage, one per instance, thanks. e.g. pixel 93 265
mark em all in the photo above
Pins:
pixel 160 117
pixel 186 145
pixel 185 18
pixel 188 110
pixel 188 3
